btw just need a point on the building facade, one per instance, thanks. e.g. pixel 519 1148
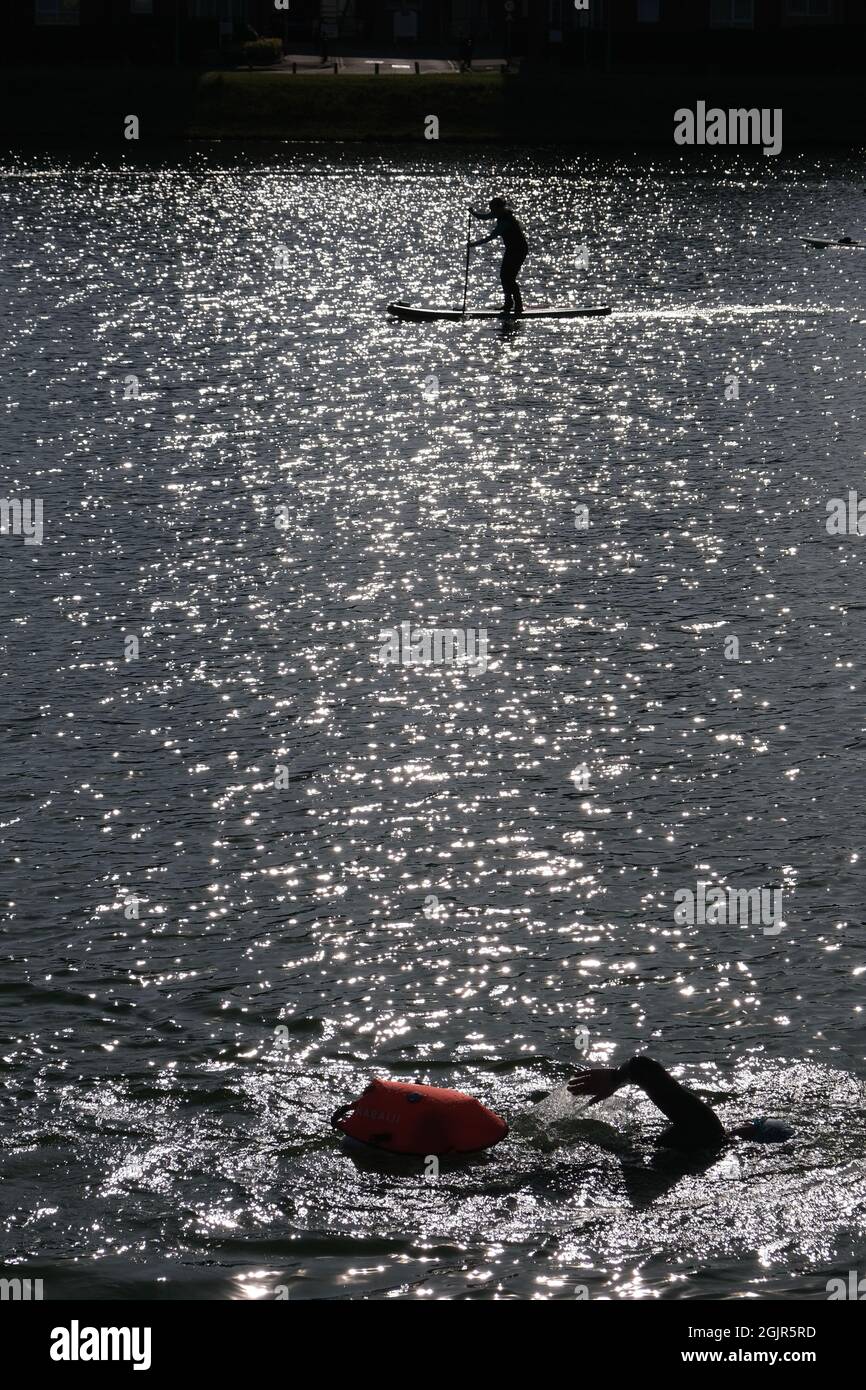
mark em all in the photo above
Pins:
pixel 774 34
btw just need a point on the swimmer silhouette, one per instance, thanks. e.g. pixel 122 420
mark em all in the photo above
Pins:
pixel 506 226
pixel 695 1124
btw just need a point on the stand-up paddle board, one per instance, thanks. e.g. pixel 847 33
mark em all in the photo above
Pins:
pixel 822 242
pixel 550 311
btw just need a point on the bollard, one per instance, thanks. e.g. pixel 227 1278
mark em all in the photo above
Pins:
pixel 376 69
pixel 417 68
pixel 294 67
pixel 336 69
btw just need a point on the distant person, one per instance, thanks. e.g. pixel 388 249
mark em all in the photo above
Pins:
pixel 695 1125
pixel 509 229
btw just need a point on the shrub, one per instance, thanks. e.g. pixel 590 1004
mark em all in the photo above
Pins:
pixel 258 53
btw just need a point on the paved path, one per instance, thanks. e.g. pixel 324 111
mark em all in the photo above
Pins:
pixel 306 63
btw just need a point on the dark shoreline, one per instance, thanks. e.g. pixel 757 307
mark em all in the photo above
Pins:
pixel 55 107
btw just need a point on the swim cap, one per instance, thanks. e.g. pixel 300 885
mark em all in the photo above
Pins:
pixel 766 1130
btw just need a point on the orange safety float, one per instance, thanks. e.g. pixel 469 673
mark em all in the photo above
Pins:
pixel 402 1118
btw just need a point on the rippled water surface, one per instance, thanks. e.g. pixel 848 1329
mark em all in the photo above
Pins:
pixel 242 468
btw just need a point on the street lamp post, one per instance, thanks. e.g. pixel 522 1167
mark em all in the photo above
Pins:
pixel 509 17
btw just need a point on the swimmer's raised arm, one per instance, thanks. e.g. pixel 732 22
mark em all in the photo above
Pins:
pixel 694 1123
pixel 598 1082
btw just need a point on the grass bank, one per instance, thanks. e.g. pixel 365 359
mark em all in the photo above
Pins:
pixel 350 107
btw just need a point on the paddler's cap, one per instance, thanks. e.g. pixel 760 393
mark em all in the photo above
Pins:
pixel 498 204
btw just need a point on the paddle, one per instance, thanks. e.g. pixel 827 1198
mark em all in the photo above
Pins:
pixel 468 244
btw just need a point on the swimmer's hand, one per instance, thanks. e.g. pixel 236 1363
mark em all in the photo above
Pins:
pixel 597 1082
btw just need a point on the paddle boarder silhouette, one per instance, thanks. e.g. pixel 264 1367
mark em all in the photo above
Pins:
pixel 509 229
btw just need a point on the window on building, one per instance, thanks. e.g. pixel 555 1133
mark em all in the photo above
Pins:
pixel 58 12
pixel 648 11
pixel 221 9
pixel 730 14
pixel 810 9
